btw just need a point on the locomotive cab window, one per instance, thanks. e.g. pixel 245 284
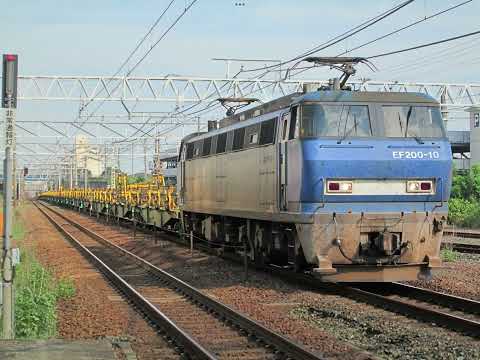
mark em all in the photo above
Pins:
pixel 293 131
pixel 335 121
pixel 413 121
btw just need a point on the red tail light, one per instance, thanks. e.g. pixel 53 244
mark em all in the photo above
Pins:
pixel 426 186
pixel 339 186
pixel 333 186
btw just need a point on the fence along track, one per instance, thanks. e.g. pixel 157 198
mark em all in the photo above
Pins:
pixel 255 335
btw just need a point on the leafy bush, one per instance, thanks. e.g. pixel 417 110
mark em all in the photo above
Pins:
pixel 36 296
pixel 35 300
pixel 464 204
pixel 464 212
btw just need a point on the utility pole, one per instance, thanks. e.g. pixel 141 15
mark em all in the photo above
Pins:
pixel 71 172
pixel 443 108
pixel 156 158
pixel 132 156
pixel 59 177
pixel 85 175
pixel 75 163
pixel 145 169
pixel 9 101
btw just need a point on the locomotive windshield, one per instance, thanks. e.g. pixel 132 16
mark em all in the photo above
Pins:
pixel 412 121
pixel 343 121
pixel 335 120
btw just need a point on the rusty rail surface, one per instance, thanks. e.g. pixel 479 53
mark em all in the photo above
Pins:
pixel 183 340
pixel 463 248
pixel 465 233
pixel 282 346
pixel 401 306
pixel 426 305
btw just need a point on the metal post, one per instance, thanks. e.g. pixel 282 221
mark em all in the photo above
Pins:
pixel 443 108
pixel 59 178
pixel 75 164
pixel 7 309
pixel 71 173
pixel 132 158
pixel 245 259
pixel 9 101
pixel 191 243
pixel 85 178
pixel 145 167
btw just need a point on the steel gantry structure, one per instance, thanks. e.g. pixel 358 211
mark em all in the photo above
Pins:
pixel 50 141
pixel 182 89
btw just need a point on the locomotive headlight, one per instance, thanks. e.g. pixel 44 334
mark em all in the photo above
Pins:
pixel 339 186
pixel 420 186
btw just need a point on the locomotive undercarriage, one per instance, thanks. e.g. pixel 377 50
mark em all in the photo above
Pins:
pixel 335 247
pixel 263 242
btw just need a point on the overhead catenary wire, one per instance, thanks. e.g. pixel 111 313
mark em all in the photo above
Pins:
pixel 320 47
pixel 390 34
pixel 424 45
pixel 453 7
pixel 140 61
pixel 129 57
pixel 339 38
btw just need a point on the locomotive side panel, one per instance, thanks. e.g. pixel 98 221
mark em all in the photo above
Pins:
pixel 242 181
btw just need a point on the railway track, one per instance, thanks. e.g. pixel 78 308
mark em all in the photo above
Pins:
pixel 199 326
pixel 451 312
pixel 465 233
pixel 463 248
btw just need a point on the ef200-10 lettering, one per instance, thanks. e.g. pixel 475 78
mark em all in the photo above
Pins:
pixel 415 154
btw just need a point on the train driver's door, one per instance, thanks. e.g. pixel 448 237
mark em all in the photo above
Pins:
pixel 282 158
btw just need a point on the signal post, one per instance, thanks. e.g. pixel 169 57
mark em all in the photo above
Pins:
pixel 9 101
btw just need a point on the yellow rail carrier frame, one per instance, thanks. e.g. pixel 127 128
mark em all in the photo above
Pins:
pixel 149 203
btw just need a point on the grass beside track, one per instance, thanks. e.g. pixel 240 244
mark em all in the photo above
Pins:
pixel 36 289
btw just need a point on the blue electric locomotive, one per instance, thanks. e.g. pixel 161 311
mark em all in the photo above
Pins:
pixel 350 185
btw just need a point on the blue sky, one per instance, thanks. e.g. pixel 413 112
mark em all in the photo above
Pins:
pixel 94 37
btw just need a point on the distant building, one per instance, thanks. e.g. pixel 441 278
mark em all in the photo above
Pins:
pixel 87 156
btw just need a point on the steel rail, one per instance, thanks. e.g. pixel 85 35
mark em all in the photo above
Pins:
pixel 449 321
pixel 446 300
pixel 402 307
pixel 405 308
pixel 466 248
pixel 464 233
pixel 279 342
pixel 463 248
pixel 181 338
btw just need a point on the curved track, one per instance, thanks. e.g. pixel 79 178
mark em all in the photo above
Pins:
pixel 200 327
